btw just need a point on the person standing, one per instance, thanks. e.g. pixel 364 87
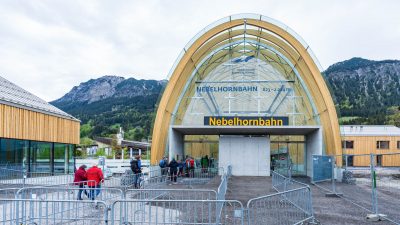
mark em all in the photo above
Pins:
pixel 94 176
pixel 187 166
pixel 173 168
pixel 191 168
pixel 79 177
pixel 163 165
pixel 136 167
pixel 206 163
pixel 180 168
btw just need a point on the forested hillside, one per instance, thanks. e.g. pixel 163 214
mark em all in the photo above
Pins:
pixel 365 91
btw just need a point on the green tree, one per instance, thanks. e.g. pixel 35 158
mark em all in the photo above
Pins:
pixel 393 116
pixel 86 130
pixel 85 141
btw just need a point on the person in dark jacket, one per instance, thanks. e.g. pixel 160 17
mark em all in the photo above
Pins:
pixel 136 167
pixel 173 168
pixel 79 177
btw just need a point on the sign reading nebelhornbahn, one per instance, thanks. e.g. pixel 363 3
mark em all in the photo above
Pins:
pixel 246 121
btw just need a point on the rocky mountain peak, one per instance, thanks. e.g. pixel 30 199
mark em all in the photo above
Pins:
pixel 110 86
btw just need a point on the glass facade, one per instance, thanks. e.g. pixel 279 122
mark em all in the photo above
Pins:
pixel 13 151
pixel 34 156
pixel 245 78
pixel 289 149
pixel 198 146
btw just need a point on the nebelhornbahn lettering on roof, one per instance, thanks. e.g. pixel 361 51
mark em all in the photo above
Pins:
pixel 245 121
pixel 226 89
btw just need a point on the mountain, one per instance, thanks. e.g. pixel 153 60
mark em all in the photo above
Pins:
pixel 365 91
pixel 105 103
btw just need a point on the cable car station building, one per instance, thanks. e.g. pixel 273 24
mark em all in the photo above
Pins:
pixel 247 91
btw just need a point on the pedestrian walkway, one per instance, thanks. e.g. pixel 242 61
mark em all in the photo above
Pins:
pixel 246 188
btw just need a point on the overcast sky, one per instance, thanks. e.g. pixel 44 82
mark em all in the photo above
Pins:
pixel 47 47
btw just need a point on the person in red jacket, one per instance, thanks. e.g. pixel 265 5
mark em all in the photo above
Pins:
pixel 94 176
pixel 79 177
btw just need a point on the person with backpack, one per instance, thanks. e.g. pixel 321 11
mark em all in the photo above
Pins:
pixel 136 167
pixel 163 165
pixel 191 166
pixel 187 166
pixel 173 168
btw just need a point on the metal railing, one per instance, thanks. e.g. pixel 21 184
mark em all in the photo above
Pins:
pixel 289 207
pixel 157 212
pixel 57 205
pixel 170 194
pixel 108 195
pixel 281 183
pixel 20 177
pixel 367 181
pixel 32 211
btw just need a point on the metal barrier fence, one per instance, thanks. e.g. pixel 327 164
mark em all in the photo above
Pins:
pixel 368 181
pixel 170 194
pixel 281 183
pixel 30 211
pixel 108 195
pixel 289 207
pixel 157 212
pixel 57 205
pixel 19 177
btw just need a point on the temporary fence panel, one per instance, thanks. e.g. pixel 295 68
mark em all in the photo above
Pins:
pixel 19 177
pixel 155 212
pixel 198 175
pixel 367 184
pixel 322 168
pixel 289 207
pixel 281 183
pixel 108 195
pixel 8 193
pixel 170 194
pixel 29 211
pixel 127 181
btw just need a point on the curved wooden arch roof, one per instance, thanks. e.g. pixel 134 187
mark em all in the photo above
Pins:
pixel 267 32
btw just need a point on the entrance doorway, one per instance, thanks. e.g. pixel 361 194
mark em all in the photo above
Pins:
pixel 379 160
pixel 288 150
pixel 199 146
pixel 254 145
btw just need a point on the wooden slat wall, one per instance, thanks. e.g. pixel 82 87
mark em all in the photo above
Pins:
pixel 29 125
pixel 367 145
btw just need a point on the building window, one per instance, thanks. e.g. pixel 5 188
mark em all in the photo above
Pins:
pixel 398 144
pixel 348 144
pixel 382 144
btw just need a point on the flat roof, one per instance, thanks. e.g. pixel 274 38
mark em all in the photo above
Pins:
pixel 369 130
pixel 245 130
pixel 13 95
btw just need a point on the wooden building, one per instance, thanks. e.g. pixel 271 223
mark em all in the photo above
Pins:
pixel 33 133
pixel 358 142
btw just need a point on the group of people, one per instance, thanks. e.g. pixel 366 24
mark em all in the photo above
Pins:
pixel 182 168
pixel 93 177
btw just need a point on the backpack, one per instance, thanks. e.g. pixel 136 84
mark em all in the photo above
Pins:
pixel 191 163
pixel 162 163
pixel 134 166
